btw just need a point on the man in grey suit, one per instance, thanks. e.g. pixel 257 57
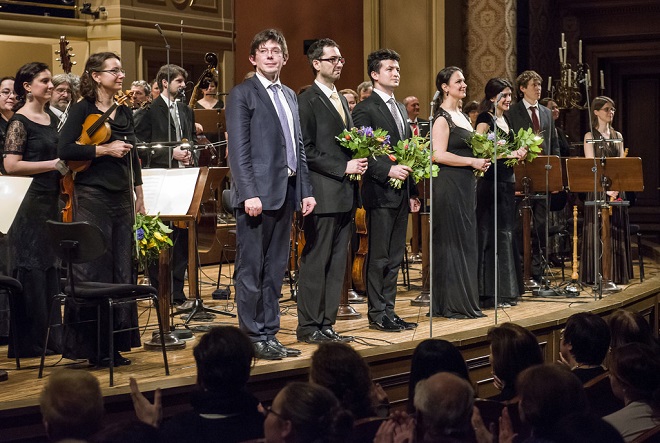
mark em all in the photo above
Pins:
pixel 270 180
pixel 387 207
pixel 528 113
pixel 324 114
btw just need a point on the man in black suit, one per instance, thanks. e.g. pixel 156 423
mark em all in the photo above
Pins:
pixel 324 114
pixel 387 207
pixel 270 180
pixel 168 119
pixel 528 113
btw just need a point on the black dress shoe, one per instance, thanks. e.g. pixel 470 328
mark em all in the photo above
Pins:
pixel 315 338
pixel 385 325
pixel 105 361
pixel 404 324
pixel 265 352
pixel 285 351
pixel 332 335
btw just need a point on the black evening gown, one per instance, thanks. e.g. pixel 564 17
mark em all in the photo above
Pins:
pixel 4 251
pixel 34 263
pixel 509 274
pixel 620 232
pixel 455 289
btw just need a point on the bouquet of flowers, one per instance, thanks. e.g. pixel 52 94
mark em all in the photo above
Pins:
pixel 151 237
pixel 525 138
pixel 364 142
pixel 414 153
pixel 483 146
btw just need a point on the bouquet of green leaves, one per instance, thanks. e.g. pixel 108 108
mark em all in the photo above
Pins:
pixel 364 142
pixel 151 236
pixel 415 154
pixel 525 138
pixel 483 146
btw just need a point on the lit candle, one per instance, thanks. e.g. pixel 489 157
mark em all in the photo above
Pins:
pixel 562 40
pixel 564 48
pixel 561 56
pixel 570 78
pixel 588 78
pixel 580 52
pixel 549 84
pixel 602 80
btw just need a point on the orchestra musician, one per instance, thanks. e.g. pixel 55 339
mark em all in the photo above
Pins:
pixel 31 150
pixel 104 197
pixel 324 114
pixel 269 181
pixel 157 126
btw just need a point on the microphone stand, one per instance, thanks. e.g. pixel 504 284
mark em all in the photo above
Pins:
pixel 169 99
pixel 495 189
pixel 431 118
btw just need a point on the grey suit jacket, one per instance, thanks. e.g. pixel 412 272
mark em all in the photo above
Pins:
pixel 326 158
pixel 519 118
pixel 257 148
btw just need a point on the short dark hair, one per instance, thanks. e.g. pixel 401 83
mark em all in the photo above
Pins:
pixel 514 349
pixel 589 337
pixel 224 358
pixel 629 327
pixel 637 367
pixel 169 72
pixel 26 74
pixel 316 49
pixel 94 63
pixel 267 35
pixel 375 60
pixel 523 80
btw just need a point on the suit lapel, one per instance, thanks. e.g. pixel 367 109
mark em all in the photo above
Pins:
pixel 385 111
pixel 328 104
pixel 264 96
pixel 407 130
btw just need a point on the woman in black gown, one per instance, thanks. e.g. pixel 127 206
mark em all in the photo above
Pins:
pixel 31 150
pixel 603 109
pixel 104 197
pixel 509 274
pixel 455 291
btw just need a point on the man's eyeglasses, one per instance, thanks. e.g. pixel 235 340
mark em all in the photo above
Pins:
pixel 116 72
pixel 7 92
pixel 333 60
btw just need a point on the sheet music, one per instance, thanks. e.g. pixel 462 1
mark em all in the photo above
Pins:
pixel 168 191
pixel 12 193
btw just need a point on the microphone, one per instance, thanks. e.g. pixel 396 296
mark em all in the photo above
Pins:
pixel 499 97
pixel 433 100
pixel 182 92
pixel 160 31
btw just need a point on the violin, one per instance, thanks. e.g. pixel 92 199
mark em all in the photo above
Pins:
pixel 95 131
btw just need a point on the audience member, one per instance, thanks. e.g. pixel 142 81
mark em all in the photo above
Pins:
pixel 430 357
pixel 635 378
pixel 351 97
pixel 305 412
pixel 547 394
pixel 512 350
pixel 629 327
pixel 131 431
pixel 71 405
pixel 364 90
pixel 585 428
pixel 222 406
pixel 584 344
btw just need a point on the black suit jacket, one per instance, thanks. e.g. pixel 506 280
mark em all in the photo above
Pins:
pixel 155 125
pixel 519 118
pixel 257 149
pixel 376 191
pixel 326 158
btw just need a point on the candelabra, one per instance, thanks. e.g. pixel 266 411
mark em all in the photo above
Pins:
pixel 566 91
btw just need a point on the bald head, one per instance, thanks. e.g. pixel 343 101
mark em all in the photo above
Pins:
pixel 412 106
pixel 444 401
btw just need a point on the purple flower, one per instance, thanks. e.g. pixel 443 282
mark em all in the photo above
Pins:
pixel 367 131
pixel 140 233
pixel 491 136
pixel 387 140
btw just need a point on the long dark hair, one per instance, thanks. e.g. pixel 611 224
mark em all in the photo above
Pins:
pixel 443 78
pixel 493 87
pixel 88 88
pixel 26 74
pixel 596 105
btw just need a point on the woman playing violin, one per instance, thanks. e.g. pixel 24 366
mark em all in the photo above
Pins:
pixel 103 196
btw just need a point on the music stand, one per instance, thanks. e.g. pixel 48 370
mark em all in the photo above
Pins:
pixel 531 178
pixel 599 175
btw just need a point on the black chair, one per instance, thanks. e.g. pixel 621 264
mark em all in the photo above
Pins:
pixel 81 242
pixel 14 289
pixel 226 248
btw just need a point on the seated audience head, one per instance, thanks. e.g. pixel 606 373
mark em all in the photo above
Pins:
pixel 629 327
pixel 585 339
pixel 131 431
pixel 338 367
pixel 306 412
pixel 585 428
pixel 635 373
pixel 71 405
pixel 433 356
pixel 548 393
pixel 224 357
pixel 351 97
pixel 364 90
pixel 512 350
pixel 444 404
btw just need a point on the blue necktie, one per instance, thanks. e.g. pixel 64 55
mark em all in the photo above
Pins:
pixel 281 113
